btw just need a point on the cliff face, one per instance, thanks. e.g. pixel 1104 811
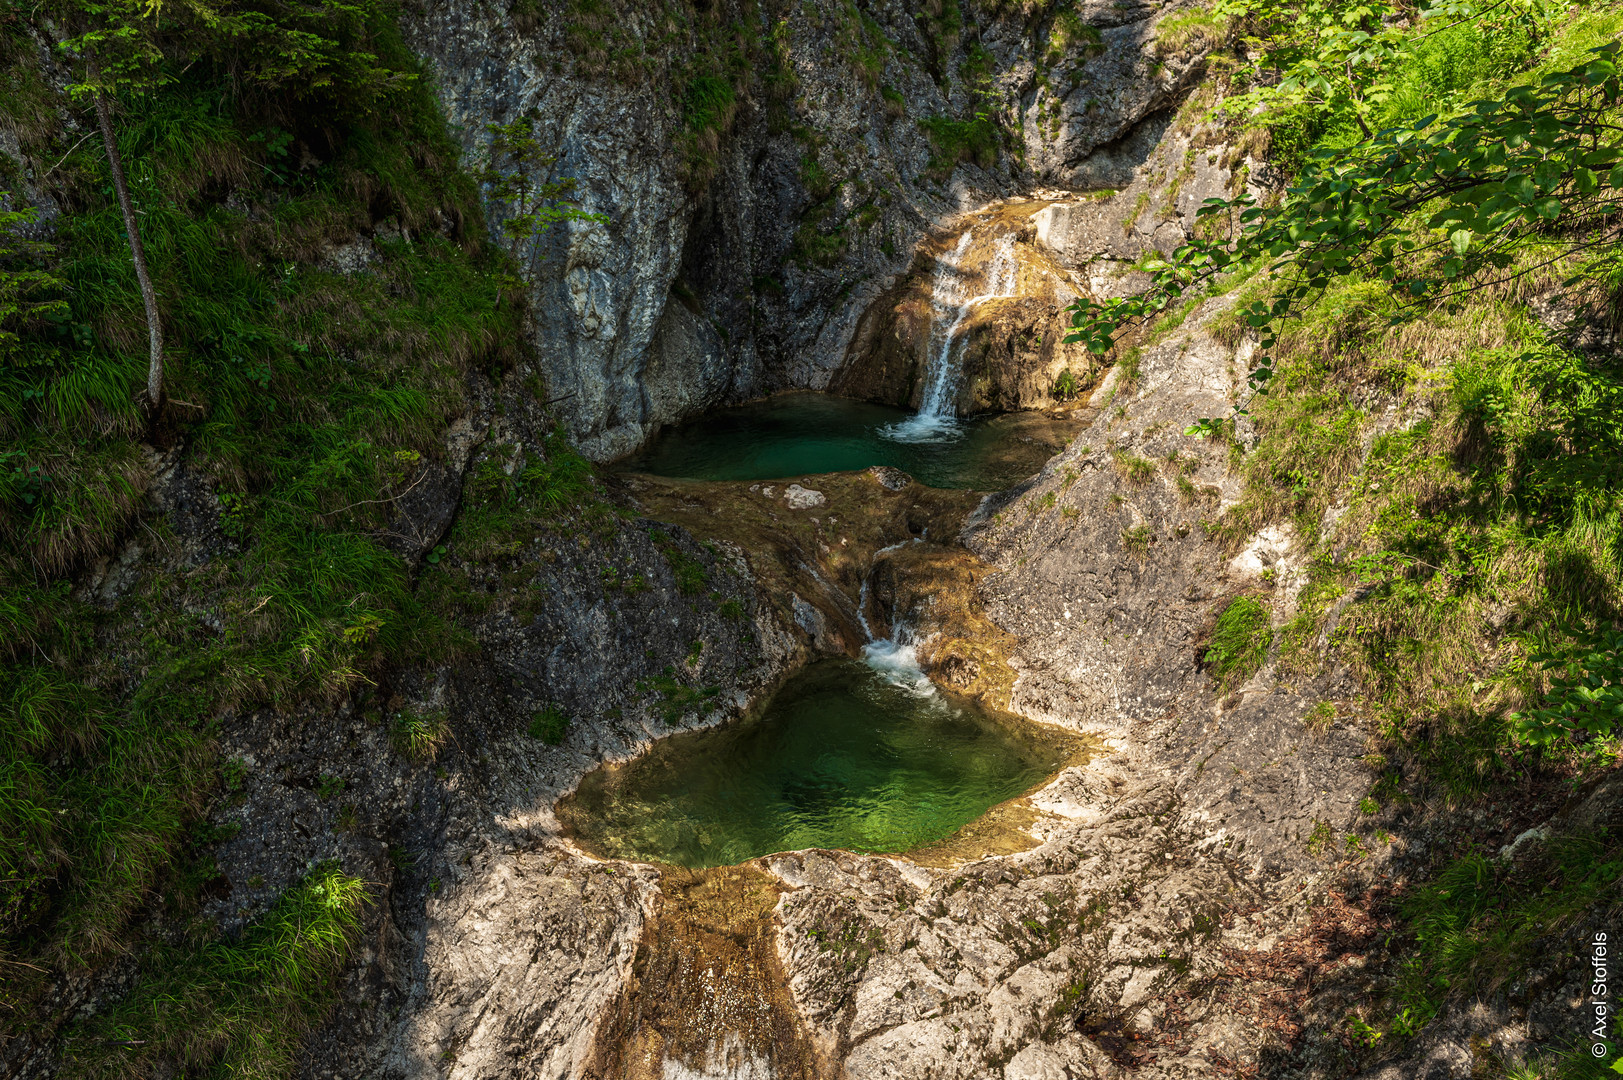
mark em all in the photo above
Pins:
pixel 767 170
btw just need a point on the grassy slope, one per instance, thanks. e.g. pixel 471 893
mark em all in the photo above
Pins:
pixel 309 399
pixel 1457 482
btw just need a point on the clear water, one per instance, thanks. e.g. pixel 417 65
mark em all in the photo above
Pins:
pixel 846 755
pixel 808 433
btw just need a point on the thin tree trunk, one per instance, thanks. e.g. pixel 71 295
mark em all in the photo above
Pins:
pixel 138 253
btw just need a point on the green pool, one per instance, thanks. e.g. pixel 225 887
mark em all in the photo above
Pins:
pixel 846 755
pixel 808 433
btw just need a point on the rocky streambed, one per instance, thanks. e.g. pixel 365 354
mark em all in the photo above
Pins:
pixel 1088 929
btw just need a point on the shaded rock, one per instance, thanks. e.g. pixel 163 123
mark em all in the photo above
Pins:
pixel 747 271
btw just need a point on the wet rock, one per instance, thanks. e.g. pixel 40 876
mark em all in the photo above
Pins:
pixel 1065 956
pixel 1008 351
pixel 752 277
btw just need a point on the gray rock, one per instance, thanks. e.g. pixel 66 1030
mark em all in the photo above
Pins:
pixel 800 498
pixel 756 313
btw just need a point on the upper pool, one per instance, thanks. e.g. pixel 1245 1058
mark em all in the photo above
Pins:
pixel 808 433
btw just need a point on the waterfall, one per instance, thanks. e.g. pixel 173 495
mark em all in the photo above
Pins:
pixel 896 658
pixel 937 418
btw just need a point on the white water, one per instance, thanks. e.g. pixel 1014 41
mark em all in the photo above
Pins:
pixel 937 418
pixel 896 658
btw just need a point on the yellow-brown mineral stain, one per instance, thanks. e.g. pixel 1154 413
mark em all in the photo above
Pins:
pixel 707 989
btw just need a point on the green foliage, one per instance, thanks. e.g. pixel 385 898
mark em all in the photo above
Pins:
pixel 502 507
pixel 513 161
pixel 419 735
pixel 677 699
pixel 1585 694
pixel 1239 642
pixel 942 23
pixel 550 725
pixel 1431 207
pixel 1361 65
pixel 321 52
pixel 26 288
pixel 688 571
pixel 241 1008
pixel 90 802
pixel 312 401
pixel 1481 918
pixel 1069 30
pixel 1134 469
pixel 1067 386
pixel 708 103
pixel 956 141
pixel 1136 541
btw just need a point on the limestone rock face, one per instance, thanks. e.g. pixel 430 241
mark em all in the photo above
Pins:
pixel 777 229
pixel 1154 210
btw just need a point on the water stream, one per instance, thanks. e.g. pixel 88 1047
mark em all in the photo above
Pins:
pixel 870 755
pixel 803 434
pixel 937 418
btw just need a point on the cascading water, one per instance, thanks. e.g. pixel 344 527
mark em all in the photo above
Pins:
pixel 896 658
pixel 937 418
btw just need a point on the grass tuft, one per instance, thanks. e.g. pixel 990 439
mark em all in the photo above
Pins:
pixel 1239 642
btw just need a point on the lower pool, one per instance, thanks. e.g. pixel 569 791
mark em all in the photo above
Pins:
pixel 846 755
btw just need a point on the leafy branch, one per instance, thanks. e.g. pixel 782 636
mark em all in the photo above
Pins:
pixel 1586 691
pixel 509 173
pixel 1544 161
